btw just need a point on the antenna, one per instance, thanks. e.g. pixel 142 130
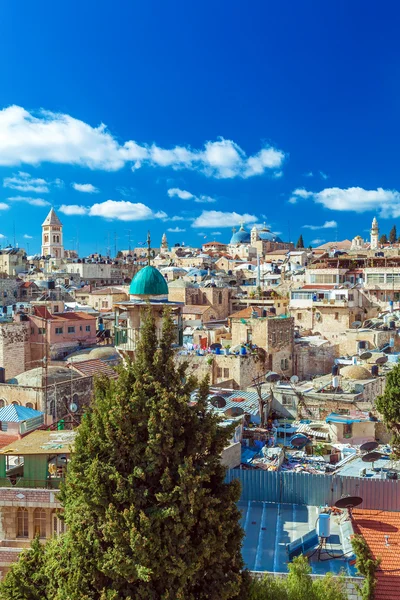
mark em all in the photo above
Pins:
pixel 128 235
pixel 148 248
pixel 115 243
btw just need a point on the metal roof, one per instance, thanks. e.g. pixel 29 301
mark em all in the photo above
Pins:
pixel 13 413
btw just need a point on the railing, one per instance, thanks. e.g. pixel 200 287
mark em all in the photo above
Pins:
pixel 127 338
pixel 52 483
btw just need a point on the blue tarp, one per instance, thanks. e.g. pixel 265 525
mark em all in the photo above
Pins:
pixel 334 418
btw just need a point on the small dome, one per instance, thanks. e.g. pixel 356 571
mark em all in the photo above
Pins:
pixel 148 282
pixel 355 372
pixel 241 237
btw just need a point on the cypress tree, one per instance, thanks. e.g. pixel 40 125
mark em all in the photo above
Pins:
pixel 147 510
pixel 26 579
pixel 393 235
pixel 300 242
pixel 389 406
pixel 383 239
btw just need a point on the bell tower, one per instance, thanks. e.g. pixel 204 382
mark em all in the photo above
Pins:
pixel 52 236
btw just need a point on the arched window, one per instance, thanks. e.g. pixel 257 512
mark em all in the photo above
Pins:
pixel 22 523
pixel 15 403
pixel 39 522
pixel 2 402
pixel 57 524
pixel 29 405
pixel 220 298
pixel 52 408
pixel 58 239
pixel 54 239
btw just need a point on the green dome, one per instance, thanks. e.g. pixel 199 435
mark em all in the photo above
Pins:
pixel 148 282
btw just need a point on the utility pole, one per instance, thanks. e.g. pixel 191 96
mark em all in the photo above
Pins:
pixel 128 235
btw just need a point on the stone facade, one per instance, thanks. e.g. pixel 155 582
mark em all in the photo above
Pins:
pixel 15 348
pixel 9 292
pixel 220 299
pixel 311 360
pixel 238 371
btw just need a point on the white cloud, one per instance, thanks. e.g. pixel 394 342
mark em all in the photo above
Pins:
pixel 323 175
pixel 24 182
pixel 175 218
pixel 73 209
pixel 182 194
pixel 185 195
pixel 317 242
pixel 45 136
pixel 326 225
pixel 385 202
pixel 2 237
pixel 299 194
pixel 309 174
pixel 87 188
pixel 28 237
pixel 122 210
pixel 175 230
pixel 4 206
pixel 216 233
pixel 215 218
pixel 29 200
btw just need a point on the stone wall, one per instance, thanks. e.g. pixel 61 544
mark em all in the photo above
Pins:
pixel 8 291
pixel 15 349
pixel 311 361
pixel 241 370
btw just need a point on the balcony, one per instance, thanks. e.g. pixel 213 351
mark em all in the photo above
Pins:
pixel 51 483
pixel 127 338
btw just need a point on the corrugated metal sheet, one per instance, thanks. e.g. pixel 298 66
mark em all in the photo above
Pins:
pixel 13 413
pixel 315 490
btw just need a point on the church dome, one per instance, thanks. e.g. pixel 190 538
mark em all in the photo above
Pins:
pixel 241 237
pixel 148 282
pixel 268 236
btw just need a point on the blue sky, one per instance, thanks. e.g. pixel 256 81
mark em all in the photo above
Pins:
pixel 185 117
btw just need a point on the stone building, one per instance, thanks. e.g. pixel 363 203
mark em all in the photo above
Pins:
pixel 232 371
pixel 15 347
pixel 105 298
pixel 218 298
pixel 265 241
pixel 274 334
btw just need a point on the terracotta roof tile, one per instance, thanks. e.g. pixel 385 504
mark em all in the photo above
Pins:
pixel 373 525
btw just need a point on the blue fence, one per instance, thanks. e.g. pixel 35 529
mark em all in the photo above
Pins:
pixel 315 490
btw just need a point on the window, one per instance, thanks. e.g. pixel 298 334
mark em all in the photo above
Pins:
pixel 29 405
pixel 80 327
pixel 249 335
pixel 39 522
pixel 71 329
pixel 2 402
pixel 52 408
pixel 284 364
pixel 41 330
pixel 226 373
pixel 287 400
pixel 15 403
pixel 299 316
pixel 351 297
pixel 59 330
pixel 58 524
pixel 32 330
pixel 55 308
pixel 87 327
pixel 219 372
pixel 104 304
pixel 336 316
pixel 22 523
pixel 347 430
pixel 220 298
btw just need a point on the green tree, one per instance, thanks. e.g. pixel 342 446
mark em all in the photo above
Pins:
pixel 383 239
pixel 26 579
pixel 393 235
pixel 147 511
pixel 389 406
pixel 298 585
pixel 366 566
pixel 300 242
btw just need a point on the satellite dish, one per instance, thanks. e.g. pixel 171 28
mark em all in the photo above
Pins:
pixel 381 360
pixel 294 379
pixel 348 502
pixel 365 355
pixel 368 446
pixel 218 402
pixel 371 457
pixel 272 377
pixel 356 325
pixel 73 407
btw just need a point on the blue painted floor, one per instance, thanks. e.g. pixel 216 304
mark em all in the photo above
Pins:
pixel 269 527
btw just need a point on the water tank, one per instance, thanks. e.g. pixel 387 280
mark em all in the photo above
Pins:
pixel 335 370
pixel 374 370
pixel 335 382
pixel 2 375
pixel 324 525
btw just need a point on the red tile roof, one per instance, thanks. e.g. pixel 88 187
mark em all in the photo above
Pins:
pixel 246 313
pixel 94 367
pixel 8 438
pixel 373 525
pixel 44 313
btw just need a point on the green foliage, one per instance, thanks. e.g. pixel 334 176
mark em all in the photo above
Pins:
pixel 383 239
pixel 393 235
pixel 389 406
pixel 298 585
pixel 300 242
pixel 147 511
pixel 26 579
pixel 366 566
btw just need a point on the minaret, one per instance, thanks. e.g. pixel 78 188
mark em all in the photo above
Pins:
pixel 52 236
pixel 254 235
pixel 164 243
pixel 374 235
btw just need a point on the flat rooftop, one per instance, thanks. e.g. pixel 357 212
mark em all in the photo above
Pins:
pixel 373 470
pixel 42 442
pixel 270 527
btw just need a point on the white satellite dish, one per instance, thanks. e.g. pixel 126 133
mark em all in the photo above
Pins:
pixel 73 407
pixel 294 379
